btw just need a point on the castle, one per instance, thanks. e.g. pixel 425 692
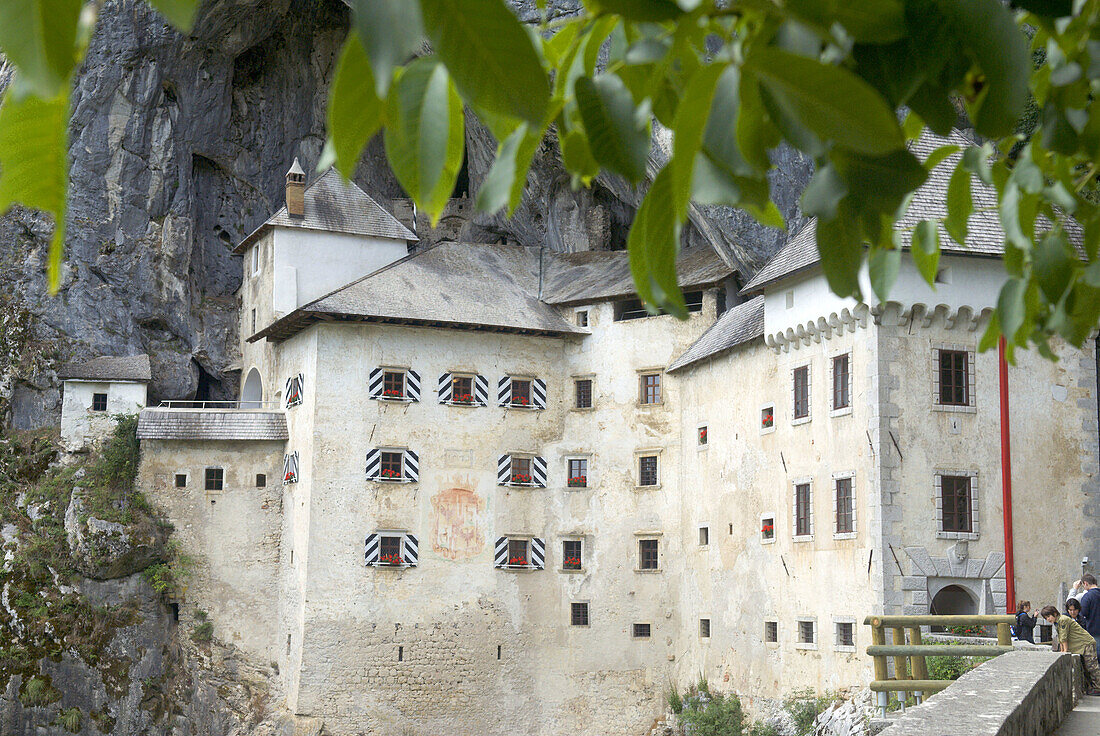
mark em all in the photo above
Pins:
pixel 478 488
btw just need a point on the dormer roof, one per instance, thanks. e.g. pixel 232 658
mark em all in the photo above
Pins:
pixel 333 205
pixel 741 324
pixel 133 368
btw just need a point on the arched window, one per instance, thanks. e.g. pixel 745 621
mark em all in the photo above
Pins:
pixel 252 395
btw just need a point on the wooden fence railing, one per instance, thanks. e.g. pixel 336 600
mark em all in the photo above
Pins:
pixel 910 667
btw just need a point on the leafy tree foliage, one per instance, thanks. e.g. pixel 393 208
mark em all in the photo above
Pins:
pixel 848 83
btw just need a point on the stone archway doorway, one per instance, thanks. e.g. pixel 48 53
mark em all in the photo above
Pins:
pixel 252 395
pixel 953 600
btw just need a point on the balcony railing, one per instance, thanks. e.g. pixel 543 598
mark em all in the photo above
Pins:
pixel 238 404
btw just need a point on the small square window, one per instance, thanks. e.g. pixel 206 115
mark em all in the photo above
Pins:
pixel 582 318
pixel 767 418
pixel 583 393
pixel 647 470
pixel 521 470
pixel 99 402
pixel 571 555
pixel 462 390
pixel 648 558
pixel 393 385
pixel 767 528
pixel 181 480
pixel 389 551
pixel 578 472
pixel 521 392
pixel 578 614
pixel 771 632
pixel 261 480
pixel 845 634
pixel 641 631
pixel 704 628
pixel 517 553
pixel 392 466
pixel 807 632
pixel 215 479
pixel 702 435
pixel 650 388
pixel 704 536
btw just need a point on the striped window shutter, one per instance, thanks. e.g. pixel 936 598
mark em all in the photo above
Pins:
pixel 410 551
pixel 412 385
pixel 538 553
pixel 412 467
pixel 374 388
pixel 504 470
pixel 374 464
pixel 293 393
pixel 504 391
pixel 481 390
pixel 538 393
pixel 290 468
pixel 446 386
pixel 538 471
pixel 500 552
pixel 373 547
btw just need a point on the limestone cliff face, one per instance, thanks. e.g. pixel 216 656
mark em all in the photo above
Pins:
pixel 179 146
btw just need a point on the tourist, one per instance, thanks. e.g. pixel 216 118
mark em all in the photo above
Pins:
pixel 1074 639
pixel 1025 622
pixel 1073 610
pixel 1090 605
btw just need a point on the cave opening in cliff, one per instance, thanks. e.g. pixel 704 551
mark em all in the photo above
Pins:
pixel 462 183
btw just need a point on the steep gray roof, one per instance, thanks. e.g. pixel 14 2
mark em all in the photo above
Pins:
pixel 208 424
pixel 739 325
pixel 985 237
pixel 463 285
pixel 131 368
pixel 591 276
pixel 333 205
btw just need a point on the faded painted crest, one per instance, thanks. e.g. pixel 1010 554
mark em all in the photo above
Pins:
pixel 458 525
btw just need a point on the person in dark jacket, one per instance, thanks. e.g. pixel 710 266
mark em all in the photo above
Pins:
pixel 1090 605
pixel 1073 610
pixel 1025 622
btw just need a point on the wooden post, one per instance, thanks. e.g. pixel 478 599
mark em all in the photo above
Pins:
pixel 901 668
pixel 1004 635
pixel 920 666
pixel 878 636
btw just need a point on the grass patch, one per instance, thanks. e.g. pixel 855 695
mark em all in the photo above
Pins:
pixel 70 719
pixel 38 692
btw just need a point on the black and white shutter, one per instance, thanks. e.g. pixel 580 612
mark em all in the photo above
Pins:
pixel 481 390
pixel 290 468
pixel 412 385
pixel 446 386
pixel 410 550
pixel 538 471
pixel 538 553
pixel 500 552
pixel 504 470
pixel 374 545
pixel 376 384
pixel 504 391
pixel 293 393
pixel 538 393
pixel 374 464
pixel 412 467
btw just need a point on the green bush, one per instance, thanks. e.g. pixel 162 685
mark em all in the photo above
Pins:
pixel 759 728
pixel 675 702
pixel 948 667
pixel 203 633
pixel 720 716
pixel 804 706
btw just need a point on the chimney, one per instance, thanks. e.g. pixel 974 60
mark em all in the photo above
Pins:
pixel 296 190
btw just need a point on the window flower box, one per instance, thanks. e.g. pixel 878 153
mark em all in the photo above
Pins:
pixel 390 560
pixel 768 530
pixel 518 562
pixel 767 420
pixel 571 563
pixel 521 402
pixel 521 478
pixel 578 481
pixel 463 399
pixel 390 474
pixel 702 435
pixel 393 394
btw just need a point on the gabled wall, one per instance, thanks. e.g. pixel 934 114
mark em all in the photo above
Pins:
pixel 80 425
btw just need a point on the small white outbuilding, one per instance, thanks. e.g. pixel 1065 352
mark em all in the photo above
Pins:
pixel 95 392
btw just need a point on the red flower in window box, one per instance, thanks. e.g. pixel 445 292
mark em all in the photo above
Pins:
pixel 703 435
pixel 391 474
pixel 462 399
pixel 520 401
pixel 392 393
pixel 767 528
pixel 768 420
pixel 572 563
pixel 520 561
pixel 578 481
pixel 394 559
pixel 521 478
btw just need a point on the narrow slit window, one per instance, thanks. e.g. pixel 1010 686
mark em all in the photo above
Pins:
pixel 771 632
pixel 704 628
pixel 704 536
pixel 702 436
pixel 261 480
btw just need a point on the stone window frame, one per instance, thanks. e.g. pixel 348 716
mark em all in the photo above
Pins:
pixel 591 378
pixel 587 615
pixel 971 354
pixel 582 317
pixel 855 517
pixel 764 517
pixel 587 457
pixel 798 644
pixel 808 365
pixel 704 526
pixel 638 455
pixel 644 536
pixel 662 386
pixel 771 644
pixel 186 479
pixel 208 479
pixel 846 410
pixel 770 406
pixel 708 627
pixel 584 545
pixel 837 620
pixel 795 536
pixel 937 497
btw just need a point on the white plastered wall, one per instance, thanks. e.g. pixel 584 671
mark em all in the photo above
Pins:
pixel 80 426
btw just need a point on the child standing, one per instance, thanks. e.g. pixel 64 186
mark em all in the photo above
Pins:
pixel 1025 622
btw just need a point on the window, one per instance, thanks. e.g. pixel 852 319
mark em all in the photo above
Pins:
pixel 582 388
pixel 578 472
pixel 845 506
pixel 767 528
pixel 253 320
pixel 521 470
pixel 255 260
pixel 99 402
pixel 393 384
pixel 702 436
pixel 802 392
pixel 392 466
pixel 841 383
pixel 647 470
pixel 845 635
pixel 527 553
pixel 571 555
pixel 647 554
pixel 704 536
pixel 390 551
pixel 956 503
pixel 767 419
pixel 954 377
pixel 630 309
pixel 720 301
pixel 181 480
pixel 704 628
pixel 521 392
pixel 215 479
pixel 582 318
pixel 290 468
pixel 650 388
pixel 641 631
pixel 517 553
pixel 293 395
pixel 578 614
pixel 462 389
pixel 807 633
pixel 771 632
pixel 803 513
pixel 694 301
pixel 261 480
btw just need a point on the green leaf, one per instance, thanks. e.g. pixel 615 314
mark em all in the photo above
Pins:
pixel 577 157
pixel 654 242
pixel 39 37
pixel 991 336
pixel 867 21
pixel 976 161
pixel 693 127
pixel 490 56
pixel 879 183
pixel 391 32
pixel 756 134
pixel 925 249
pixel 1048 8
pixel 507 177
pixel 180 13
pixel 1053 266
pixel 1011 309
pixel 824 192
pixel 841 248
pixel 959 204
pixel 768 215
pixel 641 10
pixel 618 137
pixel 828 100
pixel 882 267
pixel 354 110
pixel 424 134
pixel 34 146
pixel 938 156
